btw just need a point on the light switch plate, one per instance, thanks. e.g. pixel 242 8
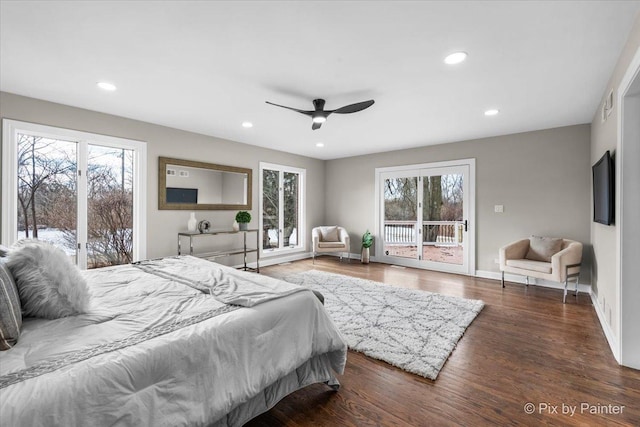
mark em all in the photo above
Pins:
pixel 498 208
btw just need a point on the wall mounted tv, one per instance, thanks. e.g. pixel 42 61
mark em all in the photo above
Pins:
pixel 604 190
pixel 182 195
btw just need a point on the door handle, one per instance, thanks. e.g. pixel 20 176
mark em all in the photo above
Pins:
pixel 466 225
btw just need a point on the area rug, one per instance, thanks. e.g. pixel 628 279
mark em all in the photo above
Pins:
pixel 411 329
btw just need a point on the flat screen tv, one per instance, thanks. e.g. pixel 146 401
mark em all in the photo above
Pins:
pixel 182 195
pixel 603 190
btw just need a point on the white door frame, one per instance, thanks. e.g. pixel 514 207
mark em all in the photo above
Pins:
pixel 10 129
pixel 469 187
pixel 627 206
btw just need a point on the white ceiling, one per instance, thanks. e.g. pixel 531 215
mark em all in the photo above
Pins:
pixel 208 66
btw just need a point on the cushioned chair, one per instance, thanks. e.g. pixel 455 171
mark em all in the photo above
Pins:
pixel 547 258
pixel 327 239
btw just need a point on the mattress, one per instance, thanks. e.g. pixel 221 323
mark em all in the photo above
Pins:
pixel 176 341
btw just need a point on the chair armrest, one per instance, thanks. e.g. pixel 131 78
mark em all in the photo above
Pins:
pixel 569 257
pixel 515 250
pixel 343 235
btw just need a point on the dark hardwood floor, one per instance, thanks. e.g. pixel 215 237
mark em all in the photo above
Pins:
pixel 524 347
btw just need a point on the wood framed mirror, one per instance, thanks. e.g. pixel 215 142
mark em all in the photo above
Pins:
pixel 191 185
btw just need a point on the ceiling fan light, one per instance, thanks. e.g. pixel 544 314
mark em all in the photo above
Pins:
pixel 319 119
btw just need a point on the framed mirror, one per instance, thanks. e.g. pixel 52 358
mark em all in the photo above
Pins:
pixel 191 185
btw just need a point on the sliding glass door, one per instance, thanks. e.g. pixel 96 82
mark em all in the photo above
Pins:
pixel 84 196
pixel 426 213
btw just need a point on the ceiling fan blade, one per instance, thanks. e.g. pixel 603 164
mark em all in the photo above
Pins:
pixel 316 125
pixel 308 113
pixel 353 107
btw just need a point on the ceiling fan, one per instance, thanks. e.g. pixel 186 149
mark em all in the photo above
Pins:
pixel 319 115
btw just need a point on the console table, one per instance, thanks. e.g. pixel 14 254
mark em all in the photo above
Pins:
pixel 244 250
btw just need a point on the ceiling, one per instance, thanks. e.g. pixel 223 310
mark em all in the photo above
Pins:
pixel 206 67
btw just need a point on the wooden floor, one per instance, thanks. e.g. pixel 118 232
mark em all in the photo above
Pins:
pixel 525 347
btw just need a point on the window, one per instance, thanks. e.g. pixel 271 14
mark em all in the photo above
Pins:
pixel 281 208
pixel 82 192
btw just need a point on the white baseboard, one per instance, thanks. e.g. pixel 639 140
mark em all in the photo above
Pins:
pixel 608 332
pixel 265 262
pixel 496 275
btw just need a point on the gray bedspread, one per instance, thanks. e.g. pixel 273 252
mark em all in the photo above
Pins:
pixel 178 341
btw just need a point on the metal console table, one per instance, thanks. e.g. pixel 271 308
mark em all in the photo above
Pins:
pixel 244 250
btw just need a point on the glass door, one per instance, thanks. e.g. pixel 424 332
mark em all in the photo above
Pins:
pixel 444 218
pixel 47 187
pixel 76 195
pixel 426 212
pixel 109 206
pixel 400 199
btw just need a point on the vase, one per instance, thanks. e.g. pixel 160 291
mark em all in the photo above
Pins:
pixel 243 226
pixel 191 224
pixel 235 226
pixel 365 256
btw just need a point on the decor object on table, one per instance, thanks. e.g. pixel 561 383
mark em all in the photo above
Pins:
pixel 243 218
pixel 367 241
pixel 192 223
pixel 204 226
pixel 49 284
pixel 547 258
pixel 327 239
pixel 235 226
pixel 411 329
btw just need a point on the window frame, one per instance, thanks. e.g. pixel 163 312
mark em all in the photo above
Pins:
pixel 9 211
pixel 301 244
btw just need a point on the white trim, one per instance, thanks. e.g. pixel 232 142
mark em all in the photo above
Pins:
pixel 400 171
pixel 10 171
pixel 608 332
pixel 275 261
pixel 630 76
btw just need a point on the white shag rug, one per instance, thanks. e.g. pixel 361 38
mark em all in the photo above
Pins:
pixel 411 329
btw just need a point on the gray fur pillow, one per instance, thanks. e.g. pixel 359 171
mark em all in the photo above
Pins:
pixel 49 284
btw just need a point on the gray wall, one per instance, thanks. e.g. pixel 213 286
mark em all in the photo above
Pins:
pixel 604 136
pixel 163 226
pixel 542 179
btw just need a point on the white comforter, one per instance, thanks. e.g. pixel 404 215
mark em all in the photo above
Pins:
pixel 160 346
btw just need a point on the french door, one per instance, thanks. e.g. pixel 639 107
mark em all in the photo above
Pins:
pixel 80 194
pixel 426 214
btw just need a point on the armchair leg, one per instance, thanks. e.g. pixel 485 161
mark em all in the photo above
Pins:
pixel 564 298
pixel 314 257
pixel 526 280
pixel 502 278
pixel 577 280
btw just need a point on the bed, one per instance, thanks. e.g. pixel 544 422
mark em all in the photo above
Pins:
pixel 170 342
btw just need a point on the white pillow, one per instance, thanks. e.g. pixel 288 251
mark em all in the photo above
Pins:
pixel 329 234
pixel 543 248
pixel 49 284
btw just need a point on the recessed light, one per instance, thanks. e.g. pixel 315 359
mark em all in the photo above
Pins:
pixel 107 86
pixel 320 144
pixel 247 125
pixel 491 112
pixel 455 58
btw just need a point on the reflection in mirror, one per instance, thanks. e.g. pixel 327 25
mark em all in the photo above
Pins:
pixel 185 184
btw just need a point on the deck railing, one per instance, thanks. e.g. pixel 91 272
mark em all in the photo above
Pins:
pixel 433 232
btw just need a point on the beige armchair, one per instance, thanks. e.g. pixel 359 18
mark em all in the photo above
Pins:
pixel 329 239
pixel 546 258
